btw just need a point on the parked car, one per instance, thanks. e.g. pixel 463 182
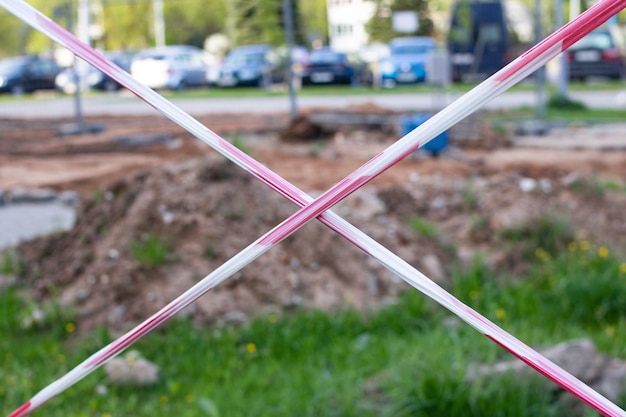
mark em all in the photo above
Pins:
pixel 327 66
pixel 172 67
pixel 248 65
pixel 407 60
pixel 96 79
pixel 599 54
pixel 25 74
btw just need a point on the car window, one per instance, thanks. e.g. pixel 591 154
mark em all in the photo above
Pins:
pixel 245 59
pixel 411 49
pixel 599 40
pixel 11 65
pixel 40 67
pixel 325 57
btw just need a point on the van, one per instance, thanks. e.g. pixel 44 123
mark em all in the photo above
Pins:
pixel 478 41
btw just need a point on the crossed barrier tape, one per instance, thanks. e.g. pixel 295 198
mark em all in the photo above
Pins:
pixel 310 208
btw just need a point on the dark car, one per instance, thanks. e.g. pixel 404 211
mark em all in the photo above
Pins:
pixel 327 66
pixel 598 54
pixel 25 74
pixel 96 79
pixel 247 65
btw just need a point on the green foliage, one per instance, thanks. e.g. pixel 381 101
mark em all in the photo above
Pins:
pixel 151 250
pixel 261 21
pixel 564 103
pixel 380 28
pixel 548 234
pixel 423 227
pixel 10 263
pixel 239 143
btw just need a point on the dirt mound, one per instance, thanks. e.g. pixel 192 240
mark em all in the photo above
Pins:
pixel 146 239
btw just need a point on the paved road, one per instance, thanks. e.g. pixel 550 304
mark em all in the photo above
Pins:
pixel 126 104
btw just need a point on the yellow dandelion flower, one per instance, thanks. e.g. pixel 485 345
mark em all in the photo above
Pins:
pixel 500 313
pixel 70 327
pixel 164 399
pixel 251 347
pixel 622 268
pixel 603 252
pixel 584 245
pixel 572 246
pixel 610 331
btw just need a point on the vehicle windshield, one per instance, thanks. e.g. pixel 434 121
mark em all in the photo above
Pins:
pixel 11 65
pixel 597 40
pixel 244 59
pixel 411 49
pixel 325 57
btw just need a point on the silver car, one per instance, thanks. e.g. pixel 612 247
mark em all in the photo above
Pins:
pixel 172 67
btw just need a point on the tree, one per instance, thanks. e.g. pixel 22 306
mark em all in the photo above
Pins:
pixel 261 21
pixel 380 26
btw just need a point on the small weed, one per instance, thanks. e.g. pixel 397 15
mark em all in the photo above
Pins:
pixel 236 214
pixel 316 148
pixel 588 188
pixel 10 264
pixel 210 250
pixel 151 250
pixel 97 196
pixel 422 227
pixel 238 142
pixel 470 199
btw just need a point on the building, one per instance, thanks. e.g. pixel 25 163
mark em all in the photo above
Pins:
pixel 346 23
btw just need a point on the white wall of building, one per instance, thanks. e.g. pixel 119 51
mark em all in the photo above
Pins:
pixel 346 23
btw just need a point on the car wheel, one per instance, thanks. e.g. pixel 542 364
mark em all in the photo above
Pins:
pixel 182 86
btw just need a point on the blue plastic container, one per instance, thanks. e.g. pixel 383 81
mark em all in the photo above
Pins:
pixel 409 122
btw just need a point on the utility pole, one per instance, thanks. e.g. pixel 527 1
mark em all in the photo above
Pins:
pixel 288 20
pixel 562 84
pixel 159 23
pixel 540 74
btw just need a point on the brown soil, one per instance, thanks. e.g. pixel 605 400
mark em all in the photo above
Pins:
pixel 205 210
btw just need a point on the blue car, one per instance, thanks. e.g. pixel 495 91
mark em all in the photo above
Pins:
pixel 407 60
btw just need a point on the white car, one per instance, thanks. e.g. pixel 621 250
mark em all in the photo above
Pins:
pixel 173 67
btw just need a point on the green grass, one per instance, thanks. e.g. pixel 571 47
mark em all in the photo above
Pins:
pixel 423 227
pixel 401 360
pixel 151 250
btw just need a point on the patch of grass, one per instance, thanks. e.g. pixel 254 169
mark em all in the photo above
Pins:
pixel 564 103
pixel 10 263
pixel 588 188
pixel 151 250
pixel 424 228
pixel 405 358
pixel 548 234
pixel 612 185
